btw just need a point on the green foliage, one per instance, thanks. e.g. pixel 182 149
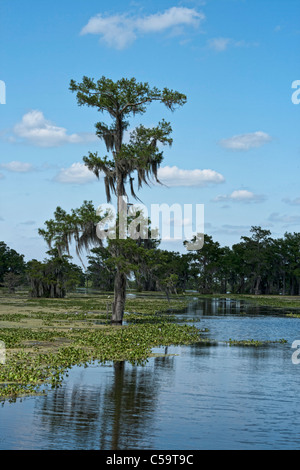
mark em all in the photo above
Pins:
pixel 12 280
pixel 205 264
pixel 129 96
pixel 53 277
pixel 122 99
pixel 257 265
pixel 10 262
pixel 78 225
pixel 142 156
pixel 253 342
pixel 99 270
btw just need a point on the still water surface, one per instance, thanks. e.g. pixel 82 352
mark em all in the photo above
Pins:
pixel 198 397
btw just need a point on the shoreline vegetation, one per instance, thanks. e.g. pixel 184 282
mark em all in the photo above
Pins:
pixel 44 338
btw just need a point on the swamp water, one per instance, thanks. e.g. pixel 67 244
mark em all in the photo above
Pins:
pixel 195 397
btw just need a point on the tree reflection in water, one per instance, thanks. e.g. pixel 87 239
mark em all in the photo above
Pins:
pixel 107 408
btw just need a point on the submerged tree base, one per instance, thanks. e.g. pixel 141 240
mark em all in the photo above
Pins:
pixel 44 338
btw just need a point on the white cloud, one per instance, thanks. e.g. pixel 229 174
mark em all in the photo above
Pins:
pixel 285 219
pixel 37 130
pixel 244 142
pixel 292 202
pixel 228 229
pixel 119 31
pixel 28 222
pixel 174 176
pixel 17 167
pixel 175 16
pixel 241 195
pixel 77 173
pixel 170 176
pixel 221 44
pixel 236 227
pixel 2 176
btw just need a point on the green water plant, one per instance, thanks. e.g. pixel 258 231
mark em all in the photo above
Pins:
pixel 33 367
pixel 253 342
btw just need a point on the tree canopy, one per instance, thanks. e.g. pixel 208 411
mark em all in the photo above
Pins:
pixel 139 158
pixel 10 261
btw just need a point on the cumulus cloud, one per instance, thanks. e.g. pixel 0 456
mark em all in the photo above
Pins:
pixel 244 142
pixel 35 129
pixel 241 195
pixel 174 176
pixel 120 30
pixel 17 167
pixel 77 173
pixel 170 176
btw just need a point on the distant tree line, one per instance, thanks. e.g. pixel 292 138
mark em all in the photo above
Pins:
pixel 12 267
pixel 258 264
pixel 53 277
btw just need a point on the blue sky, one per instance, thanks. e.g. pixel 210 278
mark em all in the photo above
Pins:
pixel 236 141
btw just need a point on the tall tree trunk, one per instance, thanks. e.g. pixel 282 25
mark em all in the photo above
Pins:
pixel 283 284
pixel 257 284
pixel 240 288
pixel 118 305
pixel 120 282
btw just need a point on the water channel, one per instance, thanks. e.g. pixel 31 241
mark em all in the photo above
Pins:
pixel 195 397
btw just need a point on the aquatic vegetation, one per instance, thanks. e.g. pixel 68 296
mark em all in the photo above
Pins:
pixel 25 373
pixel 75 331
pixel 248 342
pixel 14 337
pixel 252 342
pixel 293 315
pixel 46 337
